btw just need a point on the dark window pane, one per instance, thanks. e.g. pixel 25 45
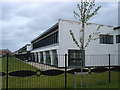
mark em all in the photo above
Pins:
pixel 52 39
pixel 48 60
pixel 117 38
pixel 41 58
pixel 55 58
pixel 74 58
pixel 106 39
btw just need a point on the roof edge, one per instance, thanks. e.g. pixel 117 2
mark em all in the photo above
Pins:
pixel 116 27
pixel 85 23
pixel 45 31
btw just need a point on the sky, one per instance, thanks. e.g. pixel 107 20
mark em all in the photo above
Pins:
pixel 21 22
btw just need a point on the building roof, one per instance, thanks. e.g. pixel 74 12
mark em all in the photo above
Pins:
pixel 54 27
pixel 23 48
pixel 4 50
pixel 116 28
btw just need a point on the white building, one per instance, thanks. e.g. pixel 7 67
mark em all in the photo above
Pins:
pixel 23 50
pixel 51 46
pixel 24 53
pixel 117 42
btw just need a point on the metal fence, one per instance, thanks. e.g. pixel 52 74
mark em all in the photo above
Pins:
pixel 26 71
pixel 101 60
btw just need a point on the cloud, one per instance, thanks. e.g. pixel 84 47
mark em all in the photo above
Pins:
pixel 23 21
pixel 105 15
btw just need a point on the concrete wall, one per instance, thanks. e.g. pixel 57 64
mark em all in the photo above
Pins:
pixel 117 45
pixel 96 53
pixel 94 48
pixel 65 40
pixel 29 47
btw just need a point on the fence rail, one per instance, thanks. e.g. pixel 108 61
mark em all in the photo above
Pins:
pixel 59 60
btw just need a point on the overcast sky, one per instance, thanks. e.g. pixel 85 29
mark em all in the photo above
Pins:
pixel 23 21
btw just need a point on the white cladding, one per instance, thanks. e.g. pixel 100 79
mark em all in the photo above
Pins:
pixel 65 40
pixel 29 47
pixel 117 45
pixel 94 48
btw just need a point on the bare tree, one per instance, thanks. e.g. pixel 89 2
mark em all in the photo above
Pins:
pixel 85 13
pixel 86 10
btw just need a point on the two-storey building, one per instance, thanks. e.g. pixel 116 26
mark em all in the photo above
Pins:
pixel 51 46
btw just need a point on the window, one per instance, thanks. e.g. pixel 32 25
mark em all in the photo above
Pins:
pixel 36 56
pixel 48 59
pixel 75 58
pixel 51 39
pixel 41 57
pixel 117 38
pixel 33 57
pixel 55 58
pixel 106 39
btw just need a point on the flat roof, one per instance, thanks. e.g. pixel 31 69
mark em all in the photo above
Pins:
pixel 54 27
pixel 24 47
pixel 116 27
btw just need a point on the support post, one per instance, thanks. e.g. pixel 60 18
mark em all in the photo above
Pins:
pixel 7 71
pixel 109 67
pixel 65 70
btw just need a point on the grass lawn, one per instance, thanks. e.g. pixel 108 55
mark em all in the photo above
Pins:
pixel 95 80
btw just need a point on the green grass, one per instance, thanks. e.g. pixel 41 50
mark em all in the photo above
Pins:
pixel 95 80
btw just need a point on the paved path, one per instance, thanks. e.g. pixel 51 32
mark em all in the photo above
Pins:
pixel 42 66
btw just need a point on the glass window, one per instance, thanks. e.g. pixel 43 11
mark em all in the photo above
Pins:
pixel 106 39
pixel 36 56
pixel 52 39
pixel 74 58
pixel 33 57
pixel 117 38
pixel 48 59
pixel 55 58
pixel 41 58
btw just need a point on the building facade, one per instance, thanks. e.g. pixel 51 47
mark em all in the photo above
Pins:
pixel 117 41
pixel 24 53
pixel 51 46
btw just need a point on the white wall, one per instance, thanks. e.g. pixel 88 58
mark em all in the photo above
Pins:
pixel 46 48
pixel 94 48
pixel 29 47
pixel 65 40
pixel 117 45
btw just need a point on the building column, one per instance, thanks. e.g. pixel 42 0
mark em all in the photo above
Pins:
pixel 51 57
pixel 44 57
pixel 39 57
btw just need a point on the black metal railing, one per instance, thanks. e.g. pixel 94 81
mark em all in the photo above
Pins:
pixel 18 72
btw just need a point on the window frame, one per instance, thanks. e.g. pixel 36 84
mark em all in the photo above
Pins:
pixel 106 39
pixel 49 40
pixel 118 38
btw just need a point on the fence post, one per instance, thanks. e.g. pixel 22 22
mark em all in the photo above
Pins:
pixel 65 70
pixel 7 71
pixel 109 67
